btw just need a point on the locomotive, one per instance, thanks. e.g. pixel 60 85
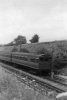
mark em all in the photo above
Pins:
pixel 37 62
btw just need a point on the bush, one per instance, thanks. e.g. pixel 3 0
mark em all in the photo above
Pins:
pixel 24 50
pixel 14 50
pixel 60 59
pixel 47 56
pixel 42 51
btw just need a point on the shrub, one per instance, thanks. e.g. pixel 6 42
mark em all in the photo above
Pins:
pixel 24 50
pixel 14 50
pixel 42 51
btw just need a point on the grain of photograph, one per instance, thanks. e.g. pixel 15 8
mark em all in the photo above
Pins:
pixel 33 49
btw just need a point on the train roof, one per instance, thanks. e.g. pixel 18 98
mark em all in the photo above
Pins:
pixel 28 54
pixel 21 53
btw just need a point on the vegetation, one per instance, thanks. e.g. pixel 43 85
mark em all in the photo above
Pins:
pixel 14 49
pixel 24 50
pixel 35 39
pixel 13 89
pixel 42 51
pixel 20 40
pixel 63 71
pixel 57 52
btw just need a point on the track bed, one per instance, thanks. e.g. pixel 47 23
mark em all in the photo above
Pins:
pixel 38 80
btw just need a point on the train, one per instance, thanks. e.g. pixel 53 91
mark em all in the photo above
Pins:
pixel 36 62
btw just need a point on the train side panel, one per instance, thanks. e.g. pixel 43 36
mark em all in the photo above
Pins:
pixel 26 63
pixel 45 65
pixel 37 62
pixel 5 56
pixel 45 62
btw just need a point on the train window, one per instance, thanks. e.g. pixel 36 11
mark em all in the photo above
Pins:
pixel 35 60
pixel 20 57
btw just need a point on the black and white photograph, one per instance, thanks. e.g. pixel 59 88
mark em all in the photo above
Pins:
pixel 33 49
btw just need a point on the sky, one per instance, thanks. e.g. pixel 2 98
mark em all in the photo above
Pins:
pixel 47 18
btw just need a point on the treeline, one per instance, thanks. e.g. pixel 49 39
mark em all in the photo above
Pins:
pixel 22 40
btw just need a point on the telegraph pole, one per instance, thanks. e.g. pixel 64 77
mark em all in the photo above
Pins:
pixel 52 65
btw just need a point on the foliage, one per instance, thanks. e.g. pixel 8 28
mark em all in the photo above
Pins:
pixel 14 50
pixel 58 56
pixel 63 71
pixel 45 52
pixel 48 56
pixel 9 44
pixel 35 39
pixel 20 40
pixel 59 59
pixel 24 50
pixel 42 51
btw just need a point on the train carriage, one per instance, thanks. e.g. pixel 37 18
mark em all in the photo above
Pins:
pixel 25 59
pixel 38 62
pixel 5 56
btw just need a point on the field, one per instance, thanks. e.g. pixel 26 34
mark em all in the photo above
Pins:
pixel 35 47
pixel 12 89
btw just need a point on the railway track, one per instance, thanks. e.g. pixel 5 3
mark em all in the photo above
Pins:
pixel 60 80
pixel 57 81
pixel 44 86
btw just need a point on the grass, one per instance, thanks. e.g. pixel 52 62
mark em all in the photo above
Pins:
pixel 12 89
pixel 34 47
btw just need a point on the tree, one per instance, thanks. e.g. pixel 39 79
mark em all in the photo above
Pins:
pixel 20 40
pixel 34 39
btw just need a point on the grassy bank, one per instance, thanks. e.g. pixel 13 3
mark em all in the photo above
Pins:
pixel 12 89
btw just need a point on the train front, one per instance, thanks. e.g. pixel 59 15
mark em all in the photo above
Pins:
pixel 45 63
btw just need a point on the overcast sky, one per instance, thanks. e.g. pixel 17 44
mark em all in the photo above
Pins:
pixel 47 18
